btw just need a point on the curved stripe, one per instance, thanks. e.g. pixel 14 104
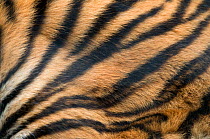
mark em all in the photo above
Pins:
pixel 34 30
pixel 112 11
pixel 203 7
pixel 10 9
pixel 68 124
pixel 53 48
pixel 100 53
pixel 28 105
pixel 186 75
pixel 151 66
pixel 84 65
pixel 188 123
pixel 108 48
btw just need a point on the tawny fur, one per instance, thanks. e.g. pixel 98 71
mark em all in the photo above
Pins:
pixel 99 79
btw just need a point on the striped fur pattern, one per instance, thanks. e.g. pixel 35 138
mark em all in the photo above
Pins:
pixel 106 69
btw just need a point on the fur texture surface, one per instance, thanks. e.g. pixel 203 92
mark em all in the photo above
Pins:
pixel 105 69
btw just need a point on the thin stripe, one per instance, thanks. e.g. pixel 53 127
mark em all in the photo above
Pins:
pixel 203 7
pixel 186 75
pixel 120 92
pixel 40 9
pixel 112 11
pixel 10 9
pixel 59 42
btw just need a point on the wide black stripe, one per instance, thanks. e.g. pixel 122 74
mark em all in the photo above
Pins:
pixel 203 7
pixel 40 7
pixel 185 76
pixel 100 53
pixel 33 32
pixel 73 70
pixel 35 29
pixel 82 106
pixel 120 92
pixel 24 110
pixel 86 62
pixel 9 4
pixel 63 103
pixel 58 43
pixel 112 11
pixel 194 116
pixel 67 124
pixel 77 101
pixel 110 47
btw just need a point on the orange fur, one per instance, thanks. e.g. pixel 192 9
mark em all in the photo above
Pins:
pixel 48 105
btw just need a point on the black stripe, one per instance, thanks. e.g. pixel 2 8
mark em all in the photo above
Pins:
pixel 75 102
pixel 40 7
pixel 185 76
pixel 62 103
pixel 34 31
pixel 65 103
pixel 112 11
pixel 108 48
pixel 120 92
pixel 194 116
pixel 22 111
pixel 79 71
pixel 203 7
pixel 100 53
pixel 86 62
pixel 118 126
pixel 163 27
pixel 161 117
pixel 67 124
pixel 58 43
pixel 9 4
pixel 0 48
